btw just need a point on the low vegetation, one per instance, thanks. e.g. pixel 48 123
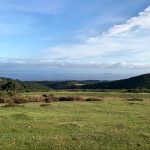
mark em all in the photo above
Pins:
pixel 80 121
pixel 17 98
pixel 135 99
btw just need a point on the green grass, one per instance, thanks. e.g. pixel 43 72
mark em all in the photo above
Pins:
pixel 112 124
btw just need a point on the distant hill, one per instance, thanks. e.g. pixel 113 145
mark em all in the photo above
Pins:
pixel 7 84
pixel 66 84
pixel 138 82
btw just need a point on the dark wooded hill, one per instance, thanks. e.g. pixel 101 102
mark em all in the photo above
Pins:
pixel 7 84
pixel 138 82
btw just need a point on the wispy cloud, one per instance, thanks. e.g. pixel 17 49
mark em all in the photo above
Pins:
pixel 133 37
pixel 30 63
pixel 123 46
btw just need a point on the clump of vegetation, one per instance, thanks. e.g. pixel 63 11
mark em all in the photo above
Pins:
pixel 48 98
pixel 135 99
pixel 20 100
pixel 45 105
pixel 2 100
pixel 34 98
pixel 71 98
pixel 133 103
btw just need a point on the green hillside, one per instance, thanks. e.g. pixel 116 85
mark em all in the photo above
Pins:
pixel 7 84
pixel 138 82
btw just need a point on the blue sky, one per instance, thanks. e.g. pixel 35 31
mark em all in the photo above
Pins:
pixel 39 37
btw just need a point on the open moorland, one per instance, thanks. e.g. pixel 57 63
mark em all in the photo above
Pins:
pixel 65 120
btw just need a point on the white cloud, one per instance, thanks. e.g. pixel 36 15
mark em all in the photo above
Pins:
pixel 132 37
pixel 140 22
pixel 124 46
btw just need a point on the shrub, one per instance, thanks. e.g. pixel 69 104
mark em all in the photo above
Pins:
pixel 2 100
pixel 5 100
pixel 20 100
pixel 79 98
pixel 71 98
pixel 49 98
pixel 34 98
pixel 66 98
pixel 2 94
pixel 11 93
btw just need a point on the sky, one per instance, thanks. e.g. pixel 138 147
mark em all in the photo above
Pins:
pixel 74 39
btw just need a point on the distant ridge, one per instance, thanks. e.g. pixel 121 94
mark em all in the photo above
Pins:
pixel 137 82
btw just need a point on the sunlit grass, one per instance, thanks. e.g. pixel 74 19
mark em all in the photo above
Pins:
pixel 111 124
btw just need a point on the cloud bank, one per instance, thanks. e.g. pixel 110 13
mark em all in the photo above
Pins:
pixel 128 42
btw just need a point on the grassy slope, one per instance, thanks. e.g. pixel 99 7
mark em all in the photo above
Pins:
pixel 109 125
pixel 138 82
pixel 7 84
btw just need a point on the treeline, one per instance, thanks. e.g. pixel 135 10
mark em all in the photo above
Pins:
pixel 66 84
pixel 134 84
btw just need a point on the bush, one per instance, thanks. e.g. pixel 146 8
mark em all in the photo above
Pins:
pixel 2 94
pixel 79 98
pixel 49 98
pixel 35 98
pixel 20 100
pixel 2 100
pixel 71 98
pixel 66 98
pixel 5 100
pixel 11 93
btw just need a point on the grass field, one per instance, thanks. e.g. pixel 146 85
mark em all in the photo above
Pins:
pixel 111 124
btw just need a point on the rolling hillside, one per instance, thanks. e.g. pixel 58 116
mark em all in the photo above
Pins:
pixel 7 84
pixel 138 82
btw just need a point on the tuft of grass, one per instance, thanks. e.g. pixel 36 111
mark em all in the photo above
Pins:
pixel 11 105
pixel 135 99
pixel 45 105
